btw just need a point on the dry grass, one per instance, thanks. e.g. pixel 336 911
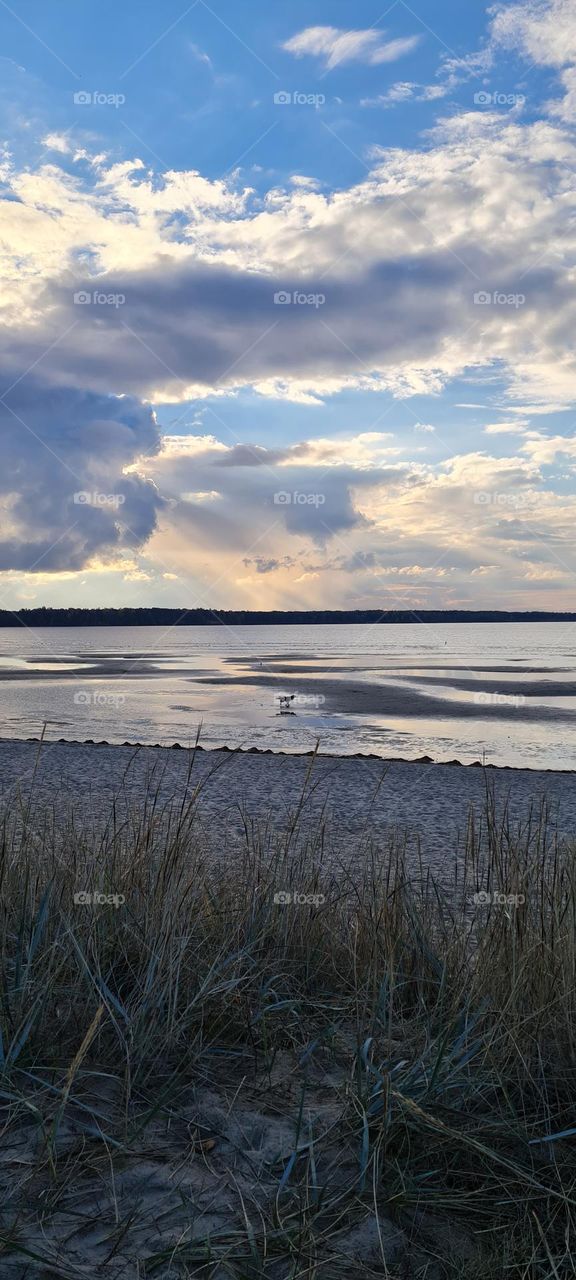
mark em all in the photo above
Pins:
pixel 205 1081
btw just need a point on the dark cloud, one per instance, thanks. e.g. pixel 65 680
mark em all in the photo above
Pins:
pixel 209 325
pixel 522 531
pixel 359 561
pixel 311 500
pixel 64 497
pixel 263 565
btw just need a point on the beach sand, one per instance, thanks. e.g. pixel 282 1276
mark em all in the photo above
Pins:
pixel 355 797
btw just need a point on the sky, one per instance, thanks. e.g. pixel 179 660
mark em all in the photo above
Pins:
pixel 287 312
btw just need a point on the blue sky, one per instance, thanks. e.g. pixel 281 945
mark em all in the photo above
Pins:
pixel 202 82
pixel 318 251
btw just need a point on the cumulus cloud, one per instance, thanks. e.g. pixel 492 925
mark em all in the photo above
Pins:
pixel 66 498
pixel 57 142
pixel 454 257
pixel 336 46
pixel 341 522
pixel 347 531
pixel 439 262
pixel 546 449
pixel 310 490
pixel 544 32
pixel 514 428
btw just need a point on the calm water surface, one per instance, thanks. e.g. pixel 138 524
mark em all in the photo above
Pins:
pixel 501 692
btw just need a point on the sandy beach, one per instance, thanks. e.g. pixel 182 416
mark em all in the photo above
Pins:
pixel 429 803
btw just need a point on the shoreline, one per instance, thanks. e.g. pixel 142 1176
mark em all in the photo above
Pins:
pixel 288 755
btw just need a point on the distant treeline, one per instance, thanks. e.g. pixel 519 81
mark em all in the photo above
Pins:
pixel 46 617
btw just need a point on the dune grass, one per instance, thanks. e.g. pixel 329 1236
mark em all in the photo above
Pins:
pixel 372 1075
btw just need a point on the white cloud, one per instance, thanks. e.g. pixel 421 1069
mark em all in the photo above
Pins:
pixel 484 205
pixel 407 91
pixel 57 142
pixel 452 72
pixel 516 428
pixel 199 54
pixel 359 522
pixel 397 257
pixel 546 449
pixel 544 32
pixel 336 46
pixel 426 531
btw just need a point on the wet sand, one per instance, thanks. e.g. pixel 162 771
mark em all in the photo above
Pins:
pixel 351 697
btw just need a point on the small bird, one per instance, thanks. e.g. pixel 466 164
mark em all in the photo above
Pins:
pixel 285 699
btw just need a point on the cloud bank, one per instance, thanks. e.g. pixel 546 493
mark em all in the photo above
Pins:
pixel 125 287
